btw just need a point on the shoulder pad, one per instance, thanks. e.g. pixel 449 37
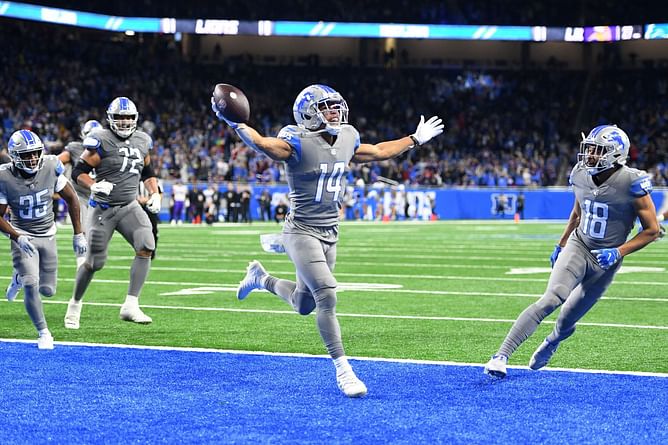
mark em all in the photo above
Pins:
pixel 573 171
pixel 60 168
pixel 641 186
pixel 91 142
pixel 291 134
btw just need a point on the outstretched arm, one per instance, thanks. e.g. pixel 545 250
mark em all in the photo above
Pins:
pixel 386 150
pixel 276 149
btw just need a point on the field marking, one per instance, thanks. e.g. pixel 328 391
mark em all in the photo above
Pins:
pixel 622 270
pixel 242 272
pixel 326 357
pixel 341 287
pixel 232 287
pixel 350 315
pixel 634 266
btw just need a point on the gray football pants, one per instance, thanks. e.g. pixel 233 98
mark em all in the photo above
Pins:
pixel 38 274
pixel 577 282
pixel 315 287
pixel 131 222
pixel 83 211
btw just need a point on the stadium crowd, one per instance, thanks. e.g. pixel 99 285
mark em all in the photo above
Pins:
pixel 504 128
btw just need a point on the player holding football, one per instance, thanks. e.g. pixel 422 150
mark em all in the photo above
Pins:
pixel 26 186
pixel 608 198
pixel 317 152
pixel 120 157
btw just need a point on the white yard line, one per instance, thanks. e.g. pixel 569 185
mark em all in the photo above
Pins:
pixel 312 356
pixel 231 287
pixel 241 273
pixel 343 314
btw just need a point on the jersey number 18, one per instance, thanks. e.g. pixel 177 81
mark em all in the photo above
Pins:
pixel 596 219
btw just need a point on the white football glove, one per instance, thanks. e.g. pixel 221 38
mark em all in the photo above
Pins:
pixel 428 130
pixel 80 244
pixel 154 203
pixel 103 187
pixel 26 245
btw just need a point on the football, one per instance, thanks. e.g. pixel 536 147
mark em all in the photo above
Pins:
pixel 232 102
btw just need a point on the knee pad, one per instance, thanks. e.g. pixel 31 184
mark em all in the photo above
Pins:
pixel 143 240
pixel 325 298
pixel 97 261
pixel 553 298
pixel 47 291
pixel 29 280
pixel 305 303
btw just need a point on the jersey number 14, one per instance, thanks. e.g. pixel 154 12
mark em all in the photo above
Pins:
pixel 330 181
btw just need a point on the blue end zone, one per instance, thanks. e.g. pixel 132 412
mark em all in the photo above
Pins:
pixel 79 394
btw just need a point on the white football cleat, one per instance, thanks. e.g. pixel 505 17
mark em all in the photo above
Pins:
pixel 542 355
pixel 134 314
pixel 14 287
pixel 73 314
pixel 45 341
pixel 350 384
pixel 496 366
pixel 253 279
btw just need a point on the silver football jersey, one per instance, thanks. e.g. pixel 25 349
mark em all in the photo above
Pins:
pixel 607 210
pixel 122 161
pixel 30 199
pixel 317 173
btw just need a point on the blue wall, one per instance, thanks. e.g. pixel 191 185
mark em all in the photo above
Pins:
pixel 453 203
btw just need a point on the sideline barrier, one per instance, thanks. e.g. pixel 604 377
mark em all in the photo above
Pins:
pixel 422 203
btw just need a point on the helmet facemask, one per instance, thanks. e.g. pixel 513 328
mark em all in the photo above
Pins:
pixel 595 158
pixel 123 124
pixel 333 113
pixel 30 161
pixel 603 148
pixel 122 116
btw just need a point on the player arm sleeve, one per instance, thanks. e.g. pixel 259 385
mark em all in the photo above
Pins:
pixel 290 136
pixel 148 172
pixel 93 144
pixel 641 186
pixel 61 182
pixel 80 168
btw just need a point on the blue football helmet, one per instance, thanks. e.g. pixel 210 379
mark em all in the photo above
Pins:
pixel 605 146
pixel 88 127
pixel 122 116
pixel 26 149
pixel 320 107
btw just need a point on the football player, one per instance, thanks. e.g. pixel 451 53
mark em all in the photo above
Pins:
pixel 69 155
pixel 608 198
pixel 26 186
pixel 120 157
pixel 317 152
